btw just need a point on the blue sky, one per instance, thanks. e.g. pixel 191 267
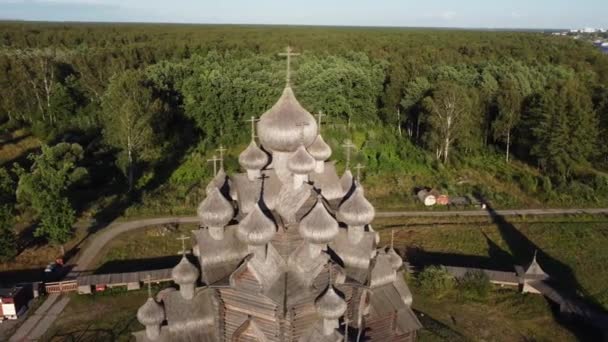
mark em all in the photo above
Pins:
pixel 436 13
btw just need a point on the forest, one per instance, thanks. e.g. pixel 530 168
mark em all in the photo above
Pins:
pixel 125 116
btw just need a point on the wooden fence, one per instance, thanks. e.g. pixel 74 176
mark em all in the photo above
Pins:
pixel 61 286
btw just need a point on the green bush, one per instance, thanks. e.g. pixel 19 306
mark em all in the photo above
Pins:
pixel 436 281
pixel 475 285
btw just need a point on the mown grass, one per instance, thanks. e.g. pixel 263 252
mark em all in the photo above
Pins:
pixel 99 317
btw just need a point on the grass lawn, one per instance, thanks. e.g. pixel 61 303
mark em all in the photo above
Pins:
pixel 570 249
pixel 99 317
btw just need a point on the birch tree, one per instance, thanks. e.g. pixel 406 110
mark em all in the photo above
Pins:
pixel 509 112
pixel 448 109
pixel 128 115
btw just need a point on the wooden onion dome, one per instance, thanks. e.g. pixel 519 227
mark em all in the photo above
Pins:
pixel 185 273
pixel 318 226
pixel 151 313
pixel 287 124
pixel 330 305
pixel 215 210
pixel 319 149
pixel 256 229
pixel 301 162
pixel 253 158
pixel 356 209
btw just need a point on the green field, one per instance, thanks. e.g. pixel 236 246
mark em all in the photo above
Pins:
pixel 571 249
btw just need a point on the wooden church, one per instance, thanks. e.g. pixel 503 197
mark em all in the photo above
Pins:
pixel 285 251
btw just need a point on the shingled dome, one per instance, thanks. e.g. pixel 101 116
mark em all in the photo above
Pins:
pixel 356 210
pixel 151 313
pixel 185 272
pixel 218 181
pixel 394 259
pixel 215 210
pixel 301 162
pixel 330 305
pixel 319 149
pixel 287 125
pixel 318 226
pixel 256 229
pixel 253 158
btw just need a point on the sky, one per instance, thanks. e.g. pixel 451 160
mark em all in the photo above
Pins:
pixel 426 13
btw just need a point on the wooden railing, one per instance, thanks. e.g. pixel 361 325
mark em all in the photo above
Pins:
pixel 61 286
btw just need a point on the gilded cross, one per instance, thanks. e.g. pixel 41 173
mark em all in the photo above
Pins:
pixel 253 120
pixel 214 159
pixel 288 53
pixel 358 168
pixel 348 145
pixel 183 239
pixel 221 150
pixel 392 238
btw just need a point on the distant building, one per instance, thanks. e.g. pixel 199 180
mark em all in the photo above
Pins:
pixel 13 302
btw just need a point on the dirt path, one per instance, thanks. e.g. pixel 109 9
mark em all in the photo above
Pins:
pixel 95 243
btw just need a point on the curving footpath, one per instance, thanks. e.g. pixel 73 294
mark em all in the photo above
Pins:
pixel 96 242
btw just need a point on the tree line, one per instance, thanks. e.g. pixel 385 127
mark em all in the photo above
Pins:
pixel 137 92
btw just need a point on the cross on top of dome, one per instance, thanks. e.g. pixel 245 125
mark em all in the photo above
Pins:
pixel 288 53
pixel 252 120
pixel 183 239
pixel 214 160
pixel 320 116
pixel 348 145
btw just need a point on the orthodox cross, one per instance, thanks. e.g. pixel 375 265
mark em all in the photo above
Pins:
pixel 148 280
pixel 253 120
pixel 288 53
pixel 214 159
pixel 183 238
pixel 348 145
pixel 320 115
pixel 302 125
pixel 221 150
pixel 358 168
